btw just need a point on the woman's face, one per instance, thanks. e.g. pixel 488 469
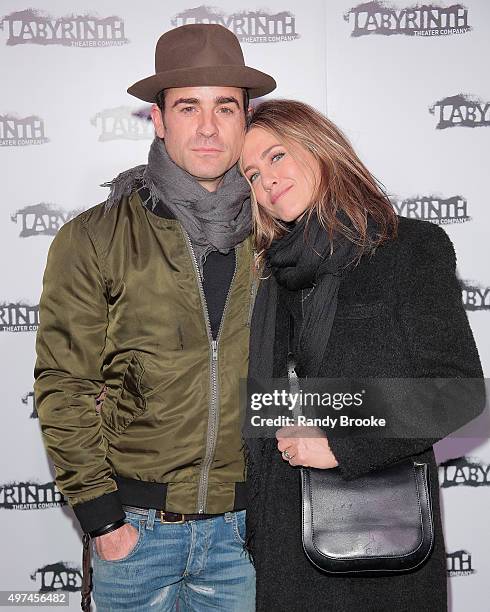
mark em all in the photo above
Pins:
pixel 283 184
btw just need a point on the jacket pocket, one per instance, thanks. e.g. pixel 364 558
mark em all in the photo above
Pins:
pixel 360 311
pixel 131 402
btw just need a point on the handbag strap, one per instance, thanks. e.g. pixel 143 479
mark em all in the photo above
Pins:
pixel 294 386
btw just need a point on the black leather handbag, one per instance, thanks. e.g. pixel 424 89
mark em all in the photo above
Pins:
pixel 377 524
pixel 380 523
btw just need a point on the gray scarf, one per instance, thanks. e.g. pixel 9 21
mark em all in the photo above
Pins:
pixel 214 221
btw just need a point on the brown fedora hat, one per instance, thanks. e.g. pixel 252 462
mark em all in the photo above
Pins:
pixel 201 55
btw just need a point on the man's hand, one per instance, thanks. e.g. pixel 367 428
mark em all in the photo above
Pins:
pixel 116 544
pixel 310 451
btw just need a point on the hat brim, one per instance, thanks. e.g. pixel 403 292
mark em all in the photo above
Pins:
pixel 256 82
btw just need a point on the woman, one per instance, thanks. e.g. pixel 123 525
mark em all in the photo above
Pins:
pixel 352 291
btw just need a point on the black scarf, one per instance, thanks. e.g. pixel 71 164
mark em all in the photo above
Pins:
pixel 301 260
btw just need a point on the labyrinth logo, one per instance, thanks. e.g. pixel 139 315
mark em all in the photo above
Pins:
pixel 248 26
pixel 464 471
pixel 459 564
pixel 34 27
pixel 29 399
pixel 42 219
pixel 474 297
pixel 122 123
pixel 18 317
pixel 462 110
pixel 441 211
pixel 59 576
pixel 30 496
pixel 426 20
pixel 17 132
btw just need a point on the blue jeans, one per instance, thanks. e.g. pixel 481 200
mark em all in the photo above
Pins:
pixel 193 566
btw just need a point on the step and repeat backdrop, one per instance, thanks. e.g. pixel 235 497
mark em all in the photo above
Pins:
pixel 407 83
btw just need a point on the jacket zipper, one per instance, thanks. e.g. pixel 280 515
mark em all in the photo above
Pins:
pixel 253 290
pixel 213 413
pixel 253 295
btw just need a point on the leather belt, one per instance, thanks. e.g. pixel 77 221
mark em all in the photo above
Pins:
pixel 170 517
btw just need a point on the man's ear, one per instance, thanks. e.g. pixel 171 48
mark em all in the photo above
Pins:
pixel 157 118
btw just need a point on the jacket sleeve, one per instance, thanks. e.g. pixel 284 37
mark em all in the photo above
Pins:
pixel 69 345
pixel 436 332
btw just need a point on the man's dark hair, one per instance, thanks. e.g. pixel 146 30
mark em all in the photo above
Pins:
pixel 160 100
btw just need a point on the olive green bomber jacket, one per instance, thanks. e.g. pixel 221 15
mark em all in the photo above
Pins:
pixel 123 308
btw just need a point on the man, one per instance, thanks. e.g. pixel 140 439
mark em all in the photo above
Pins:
pixel 144 337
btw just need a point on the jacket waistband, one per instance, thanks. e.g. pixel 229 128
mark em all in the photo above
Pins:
pixel 144 494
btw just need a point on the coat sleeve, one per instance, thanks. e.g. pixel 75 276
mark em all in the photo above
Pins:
pixel 69 345
pixel 436 332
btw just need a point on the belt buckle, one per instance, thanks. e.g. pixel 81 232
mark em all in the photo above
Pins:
pixel 162 520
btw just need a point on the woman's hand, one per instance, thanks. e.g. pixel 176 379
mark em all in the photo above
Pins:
pixel 305 446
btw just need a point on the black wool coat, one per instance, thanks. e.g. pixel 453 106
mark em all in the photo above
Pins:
pixel 399 314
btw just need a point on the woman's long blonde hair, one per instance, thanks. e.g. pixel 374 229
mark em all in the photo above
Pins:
pixel 345 184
